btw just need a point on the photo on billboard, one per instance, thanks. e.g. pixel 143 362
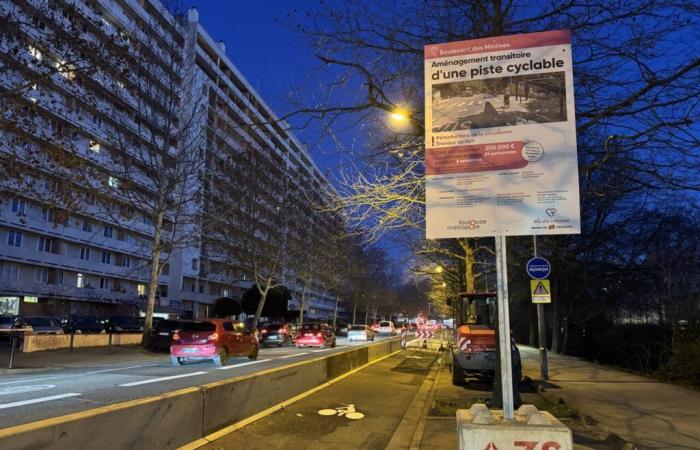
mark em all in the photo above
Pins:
pixel 499 102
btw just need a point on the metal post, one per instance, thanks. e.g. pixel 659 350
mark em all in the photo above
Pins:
pixel 504 328
pixel 72 336
pixel 542 338
pixel 109 343
pixel 13 344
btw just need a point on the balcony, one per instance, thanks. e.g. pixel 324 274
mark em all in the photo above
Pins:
pixel 67 292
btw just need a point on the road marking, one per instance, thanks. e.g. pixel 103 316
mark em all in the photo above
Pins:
pixel 322 350
pixel 22 389
pixel 157 380
pixel 112 370
pixel 292 356
pixel 29 380
pixel 243 364
pixel 37 400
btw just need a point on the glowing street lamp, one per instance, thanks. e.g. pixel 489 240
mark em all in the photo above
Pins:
pixel 399 116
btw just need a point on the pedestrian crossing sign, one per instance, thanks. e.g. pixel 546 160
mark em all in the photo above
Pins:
pixel 541 293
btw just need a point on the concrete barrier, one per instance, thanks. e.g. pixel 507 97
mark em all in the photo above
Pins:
pixel 171 420
pixel 154 423
pixel 39 342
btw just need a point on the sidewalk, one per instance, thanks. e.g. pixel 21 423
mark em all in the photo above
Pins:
pixel 81 357
pixel 648 413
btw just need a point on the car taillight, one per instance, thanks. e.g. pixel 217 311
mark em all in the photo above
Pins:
pixel 263 331
pixel 213 337
pixel 176 337
pixel 319 334
pixel 282 330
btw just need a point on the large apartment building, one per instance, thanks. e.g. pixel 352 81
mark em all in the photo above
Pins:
pixel 82 88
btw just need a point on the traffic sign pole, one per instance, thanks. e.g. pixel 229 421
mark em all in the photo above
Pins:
pixel 504 328
pixel 541 336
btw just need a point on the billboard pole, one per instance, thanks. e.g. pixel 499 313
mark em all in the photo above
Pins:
pixel 504 328
pixel 542 341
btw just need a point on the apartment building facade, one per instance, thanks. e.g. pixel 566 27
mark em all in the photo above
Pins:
pixel 74 88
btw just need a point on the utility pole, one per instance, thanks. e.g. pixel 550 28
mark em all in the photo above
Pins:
pixel 542 338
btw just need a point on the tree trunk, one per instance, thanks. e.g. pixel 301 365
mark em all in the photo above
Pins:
pixel 555 330
pixel 303 302
pixel 152 282
pixel 335 311
pixel 469 263
pixel 354 312
pixel 261 304
pixel 366 314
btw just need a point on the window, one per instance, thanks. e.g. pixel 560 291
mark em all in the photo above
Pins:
pixel 104 283
pixel 225 292
pixel 129 239
pixel 87 226
pixel 36 54
pixel 109 232
pixel 80 281
pixel 41 274
pixel 201 288
pixel 47 214
pixel 61 277
pixel 85 253
pixel 147 220
pixel 14 238
pixel 112 182
pixel 95 146
pixel 106 258
pixel 10 271
pixel 195 264
pixel 127 261
pixel 141 289
pixel 45 244
pixel 19 206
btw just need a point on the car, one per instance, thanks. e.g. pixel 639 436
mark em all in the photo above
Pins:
pixel 315 334
pixel 386 327
pixel 80 324
pixel 162 333
pixel 124 324
pixel 341 329
pixel 43 325
pixel 360 332
pixel 374 327
pixel 276 333
pixel 213 339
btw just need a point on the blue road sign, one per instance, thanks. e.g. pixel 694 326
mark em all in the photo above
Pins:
pixel 538 268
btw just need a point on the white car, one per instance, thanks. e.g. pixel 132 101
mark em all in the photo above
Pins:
pixel 387 327
pixel 360 333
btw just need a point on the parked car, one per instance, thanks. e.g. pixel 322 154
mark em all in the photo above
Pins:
pixel 214 339
pixel 360 333
pixel 341 329
pixel 386 328
pixel 374 327
pixel 124 324
pixel 162 333
pixel 43 325
pixel 82 324
pixel 276 333
pixel 315 334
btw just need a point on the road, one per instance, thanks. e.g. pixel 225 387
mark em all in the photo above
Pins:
pixel 446 111
pixel 30 397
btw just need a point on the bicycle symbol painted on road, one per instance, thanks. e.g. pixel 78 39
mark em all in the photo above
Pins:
pixel 348 411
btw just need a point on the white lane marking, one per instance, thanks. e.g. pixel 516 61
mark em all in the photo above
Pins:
pixel 37 400
pixel 157 380
pixel 243 364
pixel 295 354
pixel 112 370
pixel 22 389
pixel 322 350
pixel 29 380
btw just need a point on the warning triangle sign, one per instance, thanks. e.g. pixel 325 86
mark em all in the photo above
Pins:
pixel 540 289
pixel 491 446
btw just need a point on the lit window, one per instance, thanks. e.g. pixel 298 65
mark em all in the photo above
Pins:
pixel 95 147
pixel 113 182
pixel 141 289
pixel 36 54
pixel 80 281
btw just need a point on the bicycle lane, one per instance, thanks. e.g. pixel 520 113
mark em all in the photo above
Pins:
pixel 380 394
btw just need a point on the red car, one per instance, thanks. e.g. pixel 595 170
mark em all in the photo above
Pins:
pixel 214 339
pixel 315 335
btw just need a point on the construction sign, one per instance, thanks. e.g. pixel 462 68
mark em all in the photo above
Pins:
pixel 541 293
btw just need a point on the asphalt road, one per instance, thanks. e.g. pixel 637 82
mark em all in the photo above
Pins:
pixel 30 397
pixel 447 110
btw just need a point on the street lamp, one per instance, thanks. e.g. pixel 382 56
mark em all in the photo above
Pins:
pixel 399 116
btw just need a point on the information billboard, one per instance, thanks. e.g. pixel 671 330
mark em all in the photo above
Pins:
pixel 500 137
